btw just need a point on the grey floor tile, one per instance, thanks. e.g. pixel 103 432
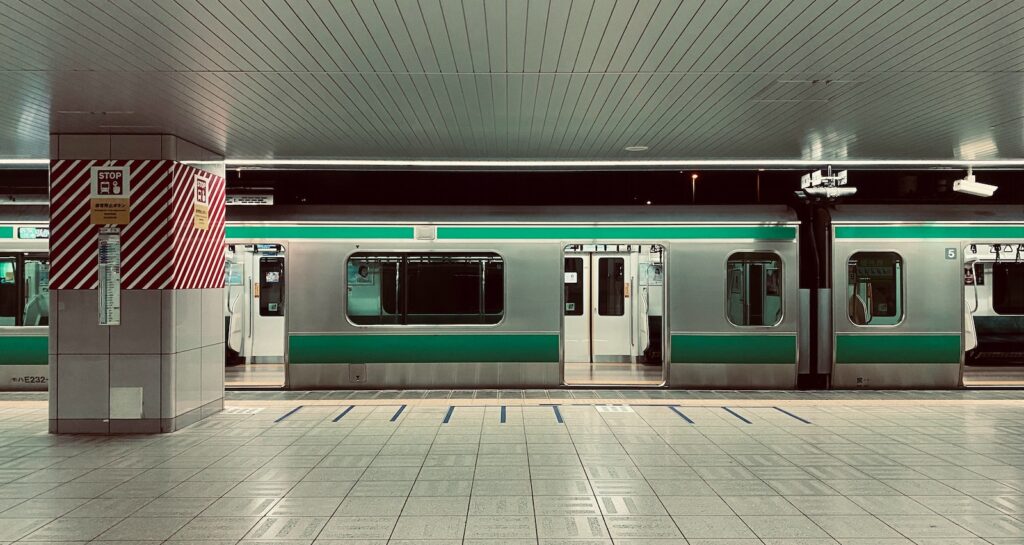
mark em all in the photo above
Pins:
pixel 72 529
pixel 854 526
pixel 566 505
pixel 500 527
pixel 43 508
pixel 107 507
pixel 991 526
pixel 240 507
pixel 695 505
pixel 761 505
pixel 305 507
pixel 174 507
pixel 324 489
pixel 633 526
pixel 918 526
pixel 144 529
pixel 430 527
pixel 783 526
pixel 571 527
pixel 208 528
pixel 366 506
pixel 631 505
pixel 442 488
pixel 501 505
pixel 432 505
pixel 715 526
pixel 276 528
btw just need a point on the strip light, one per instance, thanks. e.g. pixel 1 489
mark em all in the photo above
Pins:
pixel 589 164
pixel 24 162
pixel 642 164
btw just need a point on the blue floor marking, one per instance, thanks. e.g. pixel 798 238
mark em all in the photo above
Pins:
pixel 340 416
pixel 448 415
pixel 558 414
pixel 398 413
pixel 502 414
pixel 289 413
pixel 791 414
pixel 734 413
pixel 676 410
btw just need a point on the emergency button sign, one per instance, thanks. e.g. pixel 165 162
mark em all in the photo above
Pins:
pixel 109 197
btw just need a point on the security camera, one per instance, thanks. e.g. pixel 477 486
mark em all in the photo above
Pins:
pixel 830 192
pixel 973 187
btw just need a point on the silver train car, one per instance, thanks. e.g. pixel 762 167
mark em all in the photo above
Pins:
pixel 905 306
pixel 679 297
pixel 401 298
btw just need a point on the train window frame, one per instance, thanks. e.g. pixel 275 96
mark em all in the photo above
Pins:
pixel 19 258
pixel 415 251
pixel 901 282
pixel 1002 311
pixel 782 288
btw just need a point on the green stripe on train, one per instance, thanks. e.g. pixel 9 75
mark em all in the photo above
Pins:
pixel 930 231
pixel 311 231
pixel 617 232
pixel 23 350
pixel 6 231
pixel 363 348
pixel 897 348
pixel 724 349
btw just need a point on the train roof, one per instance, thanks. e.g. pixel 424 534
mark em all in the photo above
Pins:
pixel 514 214
pixel 950 213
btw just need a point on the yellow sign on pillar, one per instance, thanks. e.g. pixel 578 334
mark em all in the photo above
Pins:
pixel 110 195
pixel 201 201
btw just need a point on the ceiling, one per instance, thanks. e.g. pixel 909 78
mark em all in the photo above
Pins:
pixel 490 79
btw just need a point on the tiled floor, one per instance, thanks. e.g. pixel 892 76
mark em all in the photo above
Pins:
pixel 885 468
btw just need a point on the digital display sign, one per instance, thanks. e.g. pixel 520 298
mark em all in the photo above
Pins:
pixel 33 233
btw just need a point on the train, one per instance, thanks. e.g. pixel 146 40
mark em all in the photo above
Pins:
pixel 687 297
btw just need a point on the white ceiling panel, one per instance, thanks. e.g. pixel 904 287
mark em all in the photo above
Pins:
pixel 526 79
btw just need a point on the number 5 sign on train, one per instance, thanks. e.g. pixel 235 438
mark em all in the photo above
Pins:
pixel 109 195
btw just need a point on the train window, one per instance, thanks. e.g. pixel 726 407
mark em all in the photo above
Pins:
pixel 754 289
pixel 8 291
pixel 24 290
pixel 426 288
pixel 1008 288
pixel 36 291
pixel 574 286
pixel 874 289
pixel 611 286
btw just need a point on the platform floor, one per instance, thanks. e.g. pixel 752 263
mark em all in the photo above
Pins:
pixel 357 468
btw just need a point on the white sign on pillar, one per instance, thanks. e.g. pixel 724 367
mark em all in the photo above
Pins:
pixel 110 276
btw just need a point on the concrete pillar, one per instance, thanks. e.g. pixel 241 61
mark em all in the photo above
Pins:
pixel 162 367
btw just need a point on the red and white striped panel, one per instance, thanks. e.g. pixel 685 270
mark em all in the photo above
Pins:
pixel 73 243
pixel 198 254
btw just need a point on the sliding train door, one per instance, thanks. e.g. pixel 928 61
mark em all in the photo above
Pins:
pixel 254 307
pixel 613 301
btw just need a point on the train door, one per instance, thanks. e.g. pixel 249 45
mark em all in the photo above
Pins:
pixel 993 329
pixel 612 314
pixel 254 307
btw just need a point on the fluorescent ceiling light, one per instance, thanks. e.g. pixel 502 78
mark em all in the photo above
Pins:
pixel 23 162
pixel 683 163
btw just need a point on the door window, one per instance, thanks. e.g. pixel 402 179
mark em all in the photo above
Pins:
pixel 1008 288
pixel 611 286
pixel 574 286
pixel 8 291
pixel 874 289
